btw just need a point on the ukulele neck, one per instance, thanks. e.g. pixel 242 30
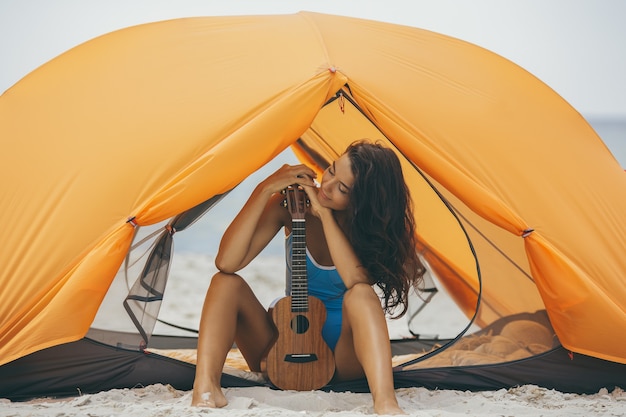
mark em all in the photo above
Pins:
pixel 299 281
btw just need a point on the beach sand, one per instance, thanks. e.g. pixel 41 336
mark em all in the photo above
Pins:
pixel 161 400
pixel 189 279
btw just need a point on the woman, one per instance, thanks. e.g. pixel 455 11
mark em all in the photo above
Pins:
pixel 360 233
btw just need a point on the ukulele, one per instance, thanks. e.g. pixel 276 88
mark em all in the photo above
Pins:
pixel 299 359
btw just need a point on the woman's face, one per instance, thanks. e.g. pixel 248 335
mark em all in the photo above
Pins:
pixel 337 180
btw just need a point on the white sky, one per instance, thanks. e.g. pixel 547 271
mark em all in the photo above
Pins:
pixel 577 47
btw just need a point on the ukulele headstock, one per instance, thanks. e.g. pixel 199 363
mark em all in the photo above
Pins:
pixel 296 201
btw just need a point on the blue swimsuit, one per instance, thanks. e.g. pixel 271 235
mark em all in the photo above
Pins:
pixel 324 283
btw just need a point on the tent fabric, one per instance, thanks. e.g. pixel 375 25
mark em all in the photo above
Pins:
pixel 152 120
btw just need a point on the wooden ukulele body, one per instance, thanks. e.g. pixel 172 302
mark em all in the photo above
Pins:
pixel 300 359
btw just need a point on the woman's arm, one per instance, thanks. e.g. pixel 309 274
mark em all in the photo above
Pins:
pixel 341 251
pixel 259 220
pixel 249 232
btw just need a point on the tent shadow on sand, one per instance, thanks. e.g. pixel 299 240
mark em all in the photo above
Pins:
pixel 119 143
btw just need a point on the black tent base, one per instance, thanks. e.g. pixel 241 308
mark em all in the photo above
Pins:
pixel 556 369
pixel 87 366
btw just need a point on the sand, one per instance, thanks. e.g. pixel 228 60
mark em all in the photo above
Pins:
pixel 161 400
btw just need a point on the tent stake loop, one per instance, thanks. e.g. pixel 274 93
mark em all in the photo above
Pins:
pixel 132 222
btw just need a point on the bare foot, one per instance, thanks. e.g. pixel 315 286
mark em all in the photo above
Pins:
pixel 391 408
pixel 210 399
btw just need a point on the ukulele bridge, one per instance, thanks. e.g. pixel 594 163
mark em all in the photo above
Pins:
pixel 301 357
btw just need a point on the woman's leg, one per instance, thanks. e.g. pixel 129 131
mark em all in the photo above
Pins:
pixel 364 349
pixel 231 313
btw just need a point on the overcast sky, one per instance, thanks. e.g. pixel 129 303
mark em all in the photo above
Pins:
pixel 575 46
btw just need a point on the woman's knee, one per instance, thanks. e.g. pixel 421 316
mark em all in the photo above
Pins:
pixel 227 282
pixel 230 291
pixel 359 294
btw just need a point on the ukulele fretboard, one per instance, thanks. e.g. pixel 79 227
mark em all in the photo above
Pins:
pixel 299 284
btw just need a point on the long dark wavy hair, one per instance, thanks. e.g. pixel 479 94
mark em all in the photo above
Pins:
pixel 381 225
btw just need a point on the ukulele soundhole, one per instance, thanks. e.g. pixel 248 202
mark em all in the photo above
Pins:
pixel 299 324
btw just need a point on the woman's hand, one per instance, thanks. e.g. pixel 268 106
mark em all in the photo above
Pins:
pixel 288 175
pixel 315 207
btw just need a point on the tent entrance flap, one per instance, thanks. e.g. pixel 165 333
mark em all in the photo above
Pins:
pixel 144 298
pixel 143 302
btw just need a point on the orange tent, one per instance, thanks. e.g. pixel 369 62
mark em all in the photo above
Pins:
pixel 149 121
